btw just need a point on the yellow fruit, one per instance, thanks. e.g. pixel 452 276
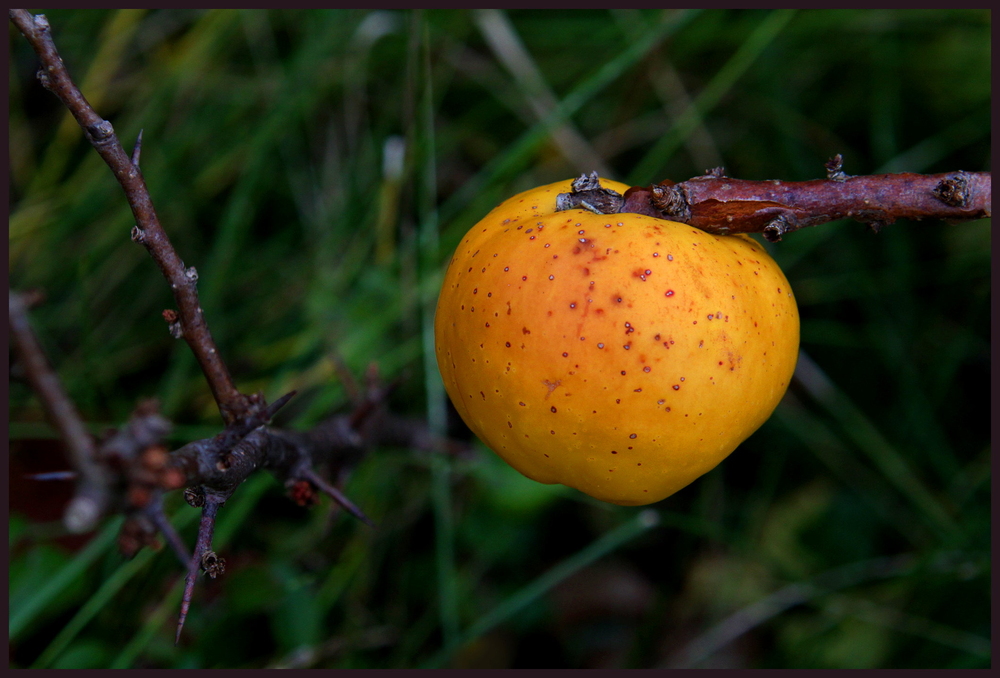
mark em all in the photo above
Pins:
pixel 621 355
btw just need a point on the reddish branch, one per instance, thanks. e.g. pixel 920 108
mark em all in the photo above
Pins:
pixel 723 205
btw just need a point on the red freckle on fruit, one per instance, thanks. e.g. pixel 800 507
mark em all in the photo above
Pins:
pixel 487 324
pixel 638 390
pixel 646 368
pixel 524 277
pixel 623 373
pixel 632 436
pixel 506 268
pixel 565 355
pixel 660 402
pixel 682 378
pixel 614 452
pixel 510 425
pixel 667 409
pixel 521 404
pixel 552 277
pixel 525 330
pixel 489 294
pixel 668 293
pixel 553 408
pixel 600 345
pixel 618 401
pixel 483 395
pixel 552 432
pixel 676 387
pixel 627 346
pixel 694 322
pixel 573 305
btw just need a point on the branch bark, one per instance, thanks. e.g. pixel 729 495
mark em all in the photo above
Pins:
pixel 722 205
pixel 147 231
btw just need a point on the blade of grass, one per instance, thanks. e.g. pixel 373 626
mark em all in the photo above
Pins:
pixel 103 597
pixel 34 606
pixel 714 91
pixel 444 522
pixel 503 39
pixel 870 440
pixel 600 547
pixel 769 607
pixel 522 149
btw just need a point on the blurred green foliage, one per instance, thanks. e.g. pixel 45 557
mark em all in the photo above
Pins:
pixel 851 531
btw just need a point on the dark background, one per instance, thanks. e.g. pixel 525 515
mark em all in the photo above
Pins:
pixel 852 530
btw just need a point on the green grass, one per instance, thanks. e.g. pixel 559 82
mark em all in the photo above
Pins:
pixel 265 135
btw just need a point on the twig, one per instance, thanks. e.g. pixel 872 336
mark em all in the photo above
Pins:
pixel 91 494
pixel 202 558
pixel 722 205
pixel 148 232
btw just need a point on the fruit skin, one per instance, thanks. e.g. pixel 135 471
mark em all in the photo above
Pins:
pixel 621 355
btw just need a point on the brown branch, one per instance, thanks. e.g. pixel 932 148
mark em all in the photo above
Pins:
pixel 722 205
pixel 91 496
pixel 147 231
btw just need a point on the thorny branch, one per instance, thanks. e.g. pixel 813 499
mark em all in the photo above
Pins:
pixel 147 231
pixel 722 205
pixel 130 470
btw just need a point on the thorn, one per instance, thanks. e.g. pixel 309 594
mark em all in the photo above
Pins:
pixel 53 475
pixel 337 496
pixel 273 408
pixel 202 548
pixel 137 151
pixel 185 602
